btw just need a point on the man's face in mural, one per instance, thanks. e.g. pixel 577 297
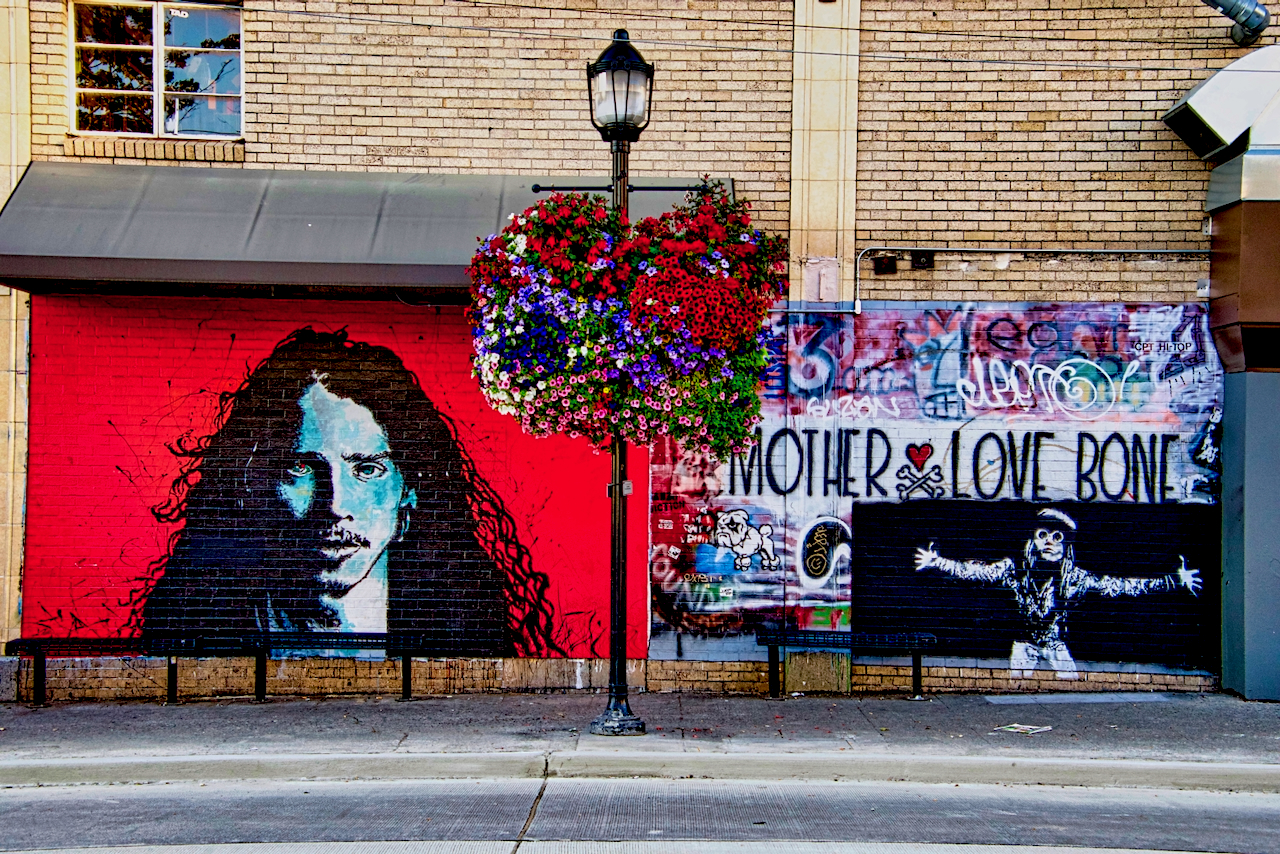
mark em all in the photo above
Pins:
pixel 344 487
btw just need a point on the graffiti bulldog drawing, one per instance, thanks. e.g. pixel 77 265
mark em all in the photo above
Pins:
pixel 1045 583
pixel 735 532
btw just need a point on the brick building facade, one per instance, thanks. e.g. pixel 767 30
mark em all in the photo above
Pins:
pixel 859 129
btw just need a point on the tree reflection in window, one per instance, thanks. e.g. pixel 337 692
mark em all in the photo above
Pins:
pixel 117 49
pixel 115 113
pixel 97 24
pixel 113 69
pixel 213 73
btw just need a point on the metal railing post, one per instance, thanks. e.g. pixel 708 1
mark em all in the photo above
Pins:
pixel 38 697
pixel 260 675
pixel 917 675
pixel 171 683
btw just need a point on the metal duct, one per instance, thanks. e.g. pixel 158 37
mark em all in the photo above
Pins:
pixel 1219 111
pixel 1254 176
pixel 1251 18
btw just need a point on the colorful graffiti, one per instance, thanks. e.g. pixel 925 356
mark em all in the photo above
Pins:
pixel 928 408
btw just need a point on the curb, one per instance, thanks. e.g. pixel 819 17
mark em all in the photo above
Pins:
pixel 328 766
pixel 1126 773
pixel 1211 776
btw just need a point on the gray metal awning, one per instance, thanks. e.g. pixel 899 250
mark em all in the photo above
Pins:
pixel 120 226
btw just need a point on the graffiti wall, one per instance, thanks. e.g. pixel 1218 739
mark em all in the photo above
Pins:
pixel 219 468
pixel 1030 482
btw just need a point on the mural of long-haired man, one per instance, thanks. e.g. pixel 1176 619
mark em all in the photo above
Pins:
pixel 334 497
pixel 1045 582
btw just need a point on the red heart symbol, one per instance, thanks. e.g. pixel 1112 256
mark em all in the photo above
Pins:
pixel 919 455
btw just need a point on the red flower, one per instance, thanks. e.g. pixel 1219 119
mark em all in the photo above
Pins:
pixel 701 283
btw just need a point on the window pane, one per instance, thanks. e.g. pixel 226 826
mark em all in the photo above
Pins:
pixel 113 24
pixel 115 113
pixel 113 69
pixel 202 71
pixel 207 28
pixel 201 114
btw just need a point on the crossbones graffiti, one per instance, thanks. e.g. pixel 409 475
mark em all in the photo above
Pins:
pixel 920 482
pixel 735 532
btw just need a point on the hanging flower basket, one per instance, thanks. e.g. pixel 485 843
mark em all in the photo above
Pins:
pixel 587 325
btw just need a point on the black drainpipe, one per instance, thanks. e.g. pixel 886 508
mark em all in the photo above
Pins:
pixel 1251 18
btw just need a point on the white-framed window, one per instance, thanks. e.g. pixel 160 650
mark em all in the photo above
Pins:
pixel 156 69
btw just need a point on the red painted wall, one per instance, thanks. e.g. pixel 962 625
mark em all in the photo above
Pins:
pixel 116 381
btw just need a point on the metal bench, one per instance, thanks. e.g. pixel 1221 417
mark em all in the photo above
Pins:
pixel 260 646
pixel 853 642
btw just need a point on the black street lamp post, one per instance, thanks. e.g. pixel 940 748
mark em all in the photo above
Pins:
pixel 619 89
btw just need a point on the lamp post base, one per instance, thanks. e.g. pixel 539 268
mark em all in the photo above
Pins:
pixel 617 722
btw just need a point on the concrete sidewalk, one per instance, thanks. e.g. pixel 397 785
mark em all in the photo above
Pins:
pixel 1168 741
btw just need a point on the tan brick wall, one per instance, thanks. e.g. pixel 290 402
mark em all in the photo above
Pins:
pixel 941 680
pixel 135 678
pixel 419 94
pixel 15 92
pixel 716 677
pixel 15 154
pixel 1021 277
pixel 50 81
pixel 72 679
pixel 969 150
pixel 15 311
pixel 131 150
pixel 959 151
pixel 831 673
pixel 98 679
pixel 404 87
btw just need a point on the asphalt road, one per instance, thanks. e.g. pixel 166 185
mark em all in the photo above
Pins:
pixel 534 812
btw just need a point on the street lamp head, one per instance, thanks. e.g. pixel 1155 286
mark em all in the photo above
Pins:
pixel 620 89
